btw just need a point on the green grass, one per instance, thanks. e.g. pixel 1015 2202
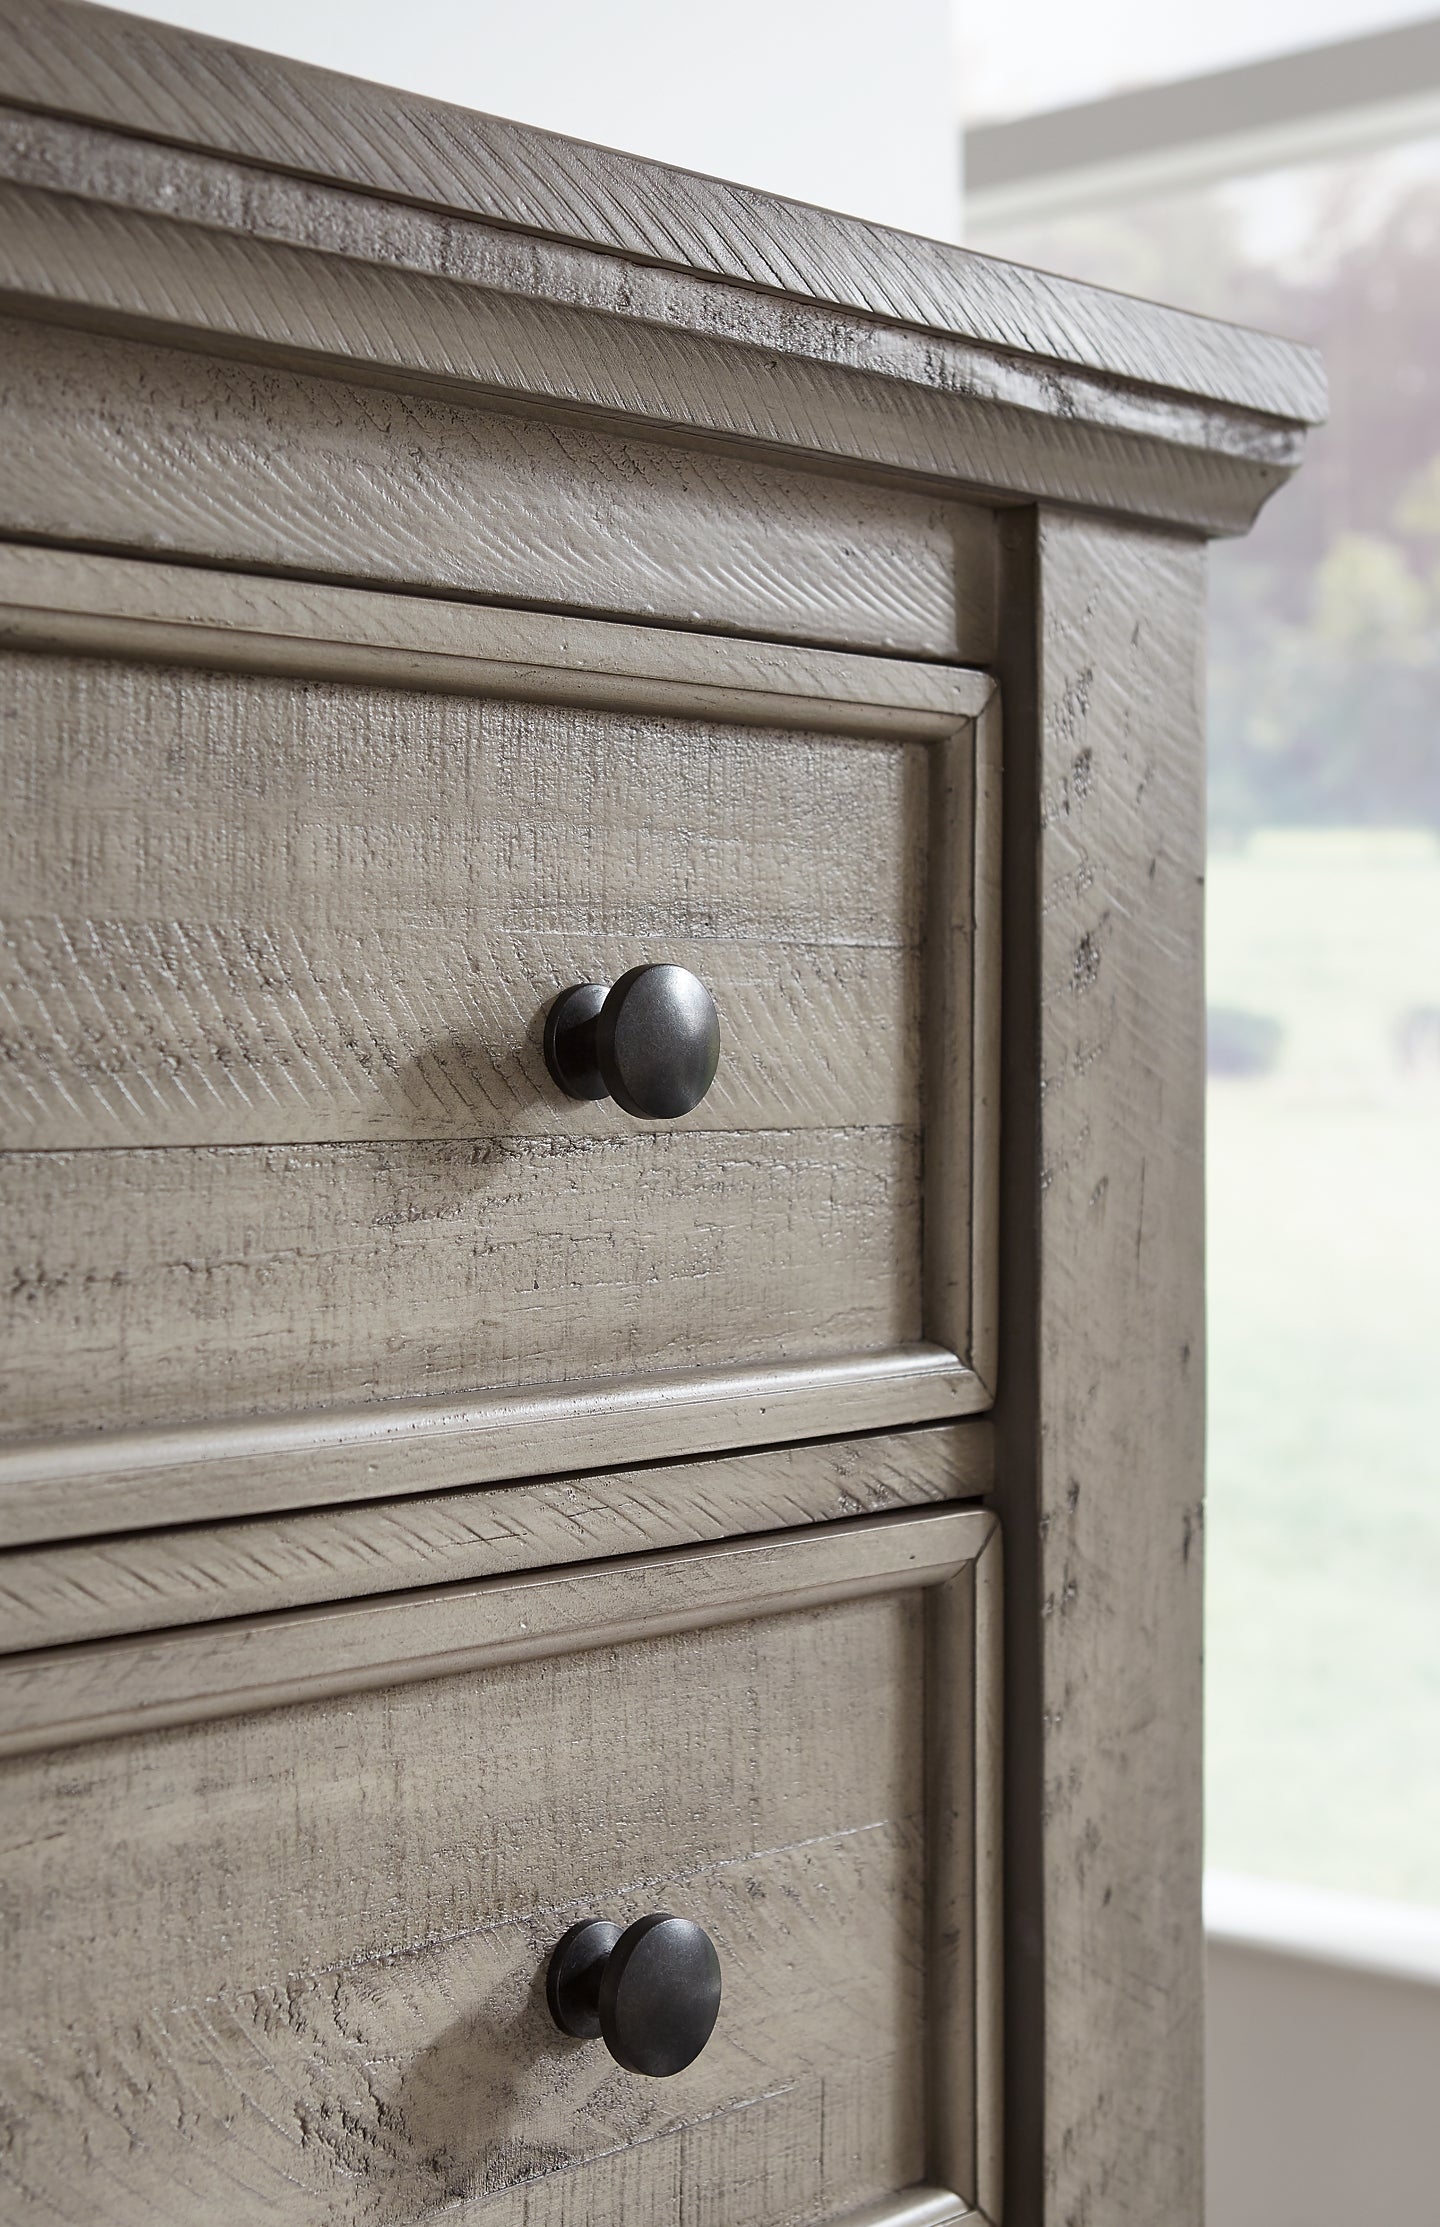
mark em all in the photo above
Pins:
pixel 1323 1605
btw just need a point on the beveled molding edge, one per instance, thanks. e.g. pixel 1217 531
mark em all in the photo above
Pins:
pixel 65 1591
pixel 210 255
pixel 96 1482
pixel 169 85
pixel 66 601
pixel 98 1689
pixel 916 2207
pixel 106 1481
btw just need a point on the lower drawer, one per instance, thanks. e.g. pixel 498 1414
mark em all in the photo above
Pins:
pixel 278 1940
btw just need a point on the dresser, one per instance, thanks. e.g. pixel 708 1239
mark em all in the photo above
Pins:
pixel 601 1050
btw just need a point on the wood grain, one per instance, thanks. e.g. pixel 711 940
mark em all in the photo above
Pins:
pixel 247 623
pixel 194 1573
pixel 365 2040
pixel 320 973
pixel 178 1032
pixel 1102 1407
pixel 244 882
pixel 115 444
pixel 111 1687
pixel 934 410
pixel 171 85
pixel 84 1483
pixel 226 925
pixel 151 1287
pixel 267 1956
pixel 962 1067
pixel 326 1921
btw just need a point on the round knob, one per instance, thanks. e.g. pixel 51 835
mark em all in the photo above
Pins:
pixel 651 1041
pixel 652 1992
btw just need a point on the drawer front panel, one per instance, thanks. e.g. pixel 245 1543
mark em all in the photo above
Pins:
pixel 245 910
pixel 287 1964
pixel 118 444
pixel 302 932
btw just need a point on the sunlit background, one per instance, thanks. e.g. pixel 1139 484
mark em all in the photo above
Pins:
pixel 1323 1623
pixel 1324 886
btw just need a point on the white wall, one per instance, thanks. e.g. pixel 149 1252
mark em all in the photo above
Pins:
pixel 849 103
pixel 1322 2058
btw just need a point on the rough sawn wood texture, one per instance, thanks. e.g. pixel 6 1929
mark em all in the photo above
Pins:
pixel 440 561
pixel 1100 1472
pixel 327 1924
pixel 194 1573
pixel 185 90
pixel 214 460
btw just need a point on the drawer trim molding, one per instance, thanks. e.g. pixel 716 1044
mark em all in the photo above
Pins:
pixel 53 599
pixel 101 1689
pixel 96 1689
pixel 114 1481
pixel 917 2207
pixel 55 1595
pixel 81 1483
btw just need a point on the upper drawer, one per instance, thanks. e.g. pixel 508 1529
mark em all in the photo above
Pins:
pixel 292 877
pixel 122 444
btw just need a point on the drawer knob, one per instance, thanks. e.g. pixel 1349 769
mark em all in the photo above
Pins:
pixel 652 1992
pixel 651 1041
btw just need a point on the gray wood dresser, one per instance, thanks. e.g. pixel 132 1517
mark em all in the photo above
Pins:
pixel 447 1519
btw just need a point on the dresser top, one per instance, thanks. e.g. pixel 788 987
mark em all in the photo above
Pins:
pixel 635 238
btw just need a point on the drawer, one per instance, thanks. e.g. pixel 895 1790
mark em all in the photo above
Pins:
pixel 298 1214
pixel 120 444
pixel 282 1895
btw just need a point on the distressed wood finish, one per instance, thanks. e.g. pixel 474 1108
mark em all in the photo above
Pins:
pixel 114 444
pixel 1100 1473
pixel 320 973
pixel 82 1484
pixel 326 1923
pixel 874 396
pixel 160 1287
pixel 244 623
pixel 196 1573
pixel 172 86
pixel 362 447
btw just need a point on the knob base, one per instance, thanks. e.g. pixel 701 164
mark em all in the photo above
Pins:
pixel 572 1980
pixel 571 1049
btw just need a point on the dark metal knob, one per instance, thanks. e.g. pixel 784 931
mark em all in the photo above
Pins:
pixel 651 1041
pixel 653 1991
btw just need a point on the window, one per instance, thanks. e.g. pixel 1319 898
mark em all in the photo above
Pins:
pixel 1323 1635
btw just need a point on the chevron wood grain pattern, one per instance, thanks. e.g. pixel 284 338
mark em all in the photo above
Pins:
pixel 326 1918
pixel 319 973
pixel 104 1688
pixel 300 1228
pixel 224 1282
pixel 84 1483
pixel 116 444
pixel 236 622
pixel 194 1573
pixel 877 396
pixel 224 925
pixel 173 86
pixel 332 1920
pixel 174 1031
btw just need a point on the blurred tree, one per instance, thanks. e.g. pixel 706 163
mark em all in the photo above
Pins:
pixel 1325 643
